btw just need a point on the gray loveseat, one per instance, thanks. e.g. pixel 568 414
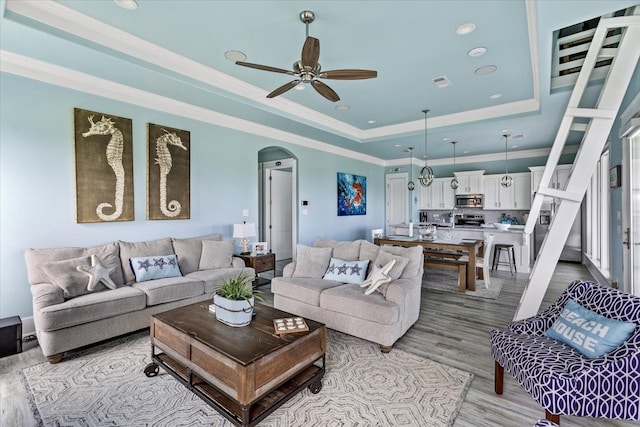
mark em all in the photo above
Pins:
pixel 145 279
pixel 382 316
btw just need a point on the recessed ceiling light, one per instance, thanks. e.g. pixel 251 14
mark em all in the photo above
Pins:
pixel 505 131
pixel 398 145
pixel 519 136
pixel 446 138
pixel 465 29
pixel 496 96
pixel 478 51
pixel 487 69
pixel 514 146
pixel 235 55
pixel 371 121
pixel 342 107
pixel 299 87
pixel 127 4
pixel 466 152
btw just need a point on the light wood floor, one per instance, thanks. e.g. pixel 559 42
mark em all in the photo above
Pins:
pixel 453 329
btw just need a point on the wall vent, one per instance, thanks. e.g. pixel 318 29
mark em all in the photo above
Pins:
pixel 442 81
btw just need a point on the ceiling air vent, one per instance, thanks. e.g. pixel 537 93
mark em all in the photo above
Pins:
pixel 441 82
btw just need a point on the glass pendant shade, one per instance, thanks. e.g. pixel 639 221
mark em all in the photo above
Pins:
pixel 454 182
pixel 506 180
pixel 411 184
pixel 426 175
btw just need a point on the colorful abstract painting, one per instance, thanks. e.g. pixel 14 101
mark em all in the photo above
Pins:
pixel 352 194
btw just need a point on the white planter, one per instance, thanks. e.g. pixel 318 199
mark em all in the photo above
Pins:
pixel 233 313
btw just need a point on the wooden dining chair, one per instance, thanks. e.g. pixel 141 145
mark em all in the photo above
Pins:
pixel 483 262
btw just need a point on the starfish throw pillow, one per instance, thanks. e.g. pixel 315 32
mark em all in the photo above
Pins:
pixel 97 273
pixel 378 277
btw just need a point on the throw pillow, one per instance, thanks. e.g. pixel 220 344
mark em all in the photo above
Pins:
pixel 97 273
pixel 401 262
pixel 346 271
pixel 346 250
pixel 379 276
pixel 155 267
pixel 130 250
pixel 66 276
pixel 216 254
pixel 189 251
pixel 311 262
pixel 588 332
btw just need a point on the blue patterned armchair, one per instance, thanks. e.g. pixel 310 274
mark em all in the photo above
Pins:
pixel 561 379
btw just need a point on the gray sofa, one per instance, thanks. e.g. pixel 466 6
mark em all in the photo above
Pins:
pixel 382 316
pixel 68 315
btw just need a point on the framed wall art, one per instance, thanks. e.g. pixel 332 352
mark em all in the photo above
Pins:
pixel 352 194
pixel 260 248
pixel 104 167
pixel 168 173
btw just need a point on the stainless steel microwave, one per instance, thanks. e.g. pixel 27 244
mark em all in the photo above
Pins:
pixel 469 201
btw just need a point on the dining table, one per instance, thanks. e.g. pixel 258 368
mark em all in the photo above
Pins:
pixel 470 247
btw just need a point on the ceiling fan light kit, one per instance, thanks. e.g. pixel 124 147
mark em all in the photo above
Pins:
pixel 454 181
pixel 411 185
pixel 506 180
pixel 308 70
pixel 426 175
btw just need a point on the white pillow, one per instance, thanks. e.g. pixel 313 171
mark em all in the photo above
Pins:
pixel 379 276
pixel 216 254
pixel 346 271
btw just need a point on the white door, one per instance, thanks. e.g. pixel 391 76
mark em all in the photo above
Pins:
pixel 396 199
pixel 631 212
pixel 279 207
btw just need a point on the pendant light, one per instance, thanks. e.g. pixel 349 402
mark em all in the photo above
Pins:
pixel 410 185
pixel 506 180
pixel 454 181
pixel 426 175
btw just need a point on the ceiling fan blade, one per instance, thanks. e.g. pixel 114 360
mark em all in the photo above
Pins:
pixel 264 67
pixel 325 90
pixel 348 74
pixel 282 89
pixel 310 52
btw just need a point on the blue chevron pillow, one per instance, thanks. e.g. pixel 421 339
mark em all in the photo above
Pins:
pixel 346 271
pixel 155 267
pixel 588 332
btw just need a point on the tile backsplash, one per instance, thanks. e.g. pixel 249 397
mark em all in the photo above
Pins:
pixel 490 217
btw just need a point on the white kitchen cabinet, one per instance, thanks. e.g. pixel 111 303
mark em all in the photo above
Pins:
pixel 558 179
pixel 470 182
pixel 518 196
pixel 439 195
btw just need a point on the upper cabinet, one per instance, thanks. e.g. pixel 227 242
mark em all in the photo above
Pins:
pixel 517 196
pixel 439 195
pixel 558 179
pixel 469 182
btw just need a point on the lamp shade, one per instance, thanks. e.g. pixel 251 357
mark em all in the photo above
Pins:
pixel 247 229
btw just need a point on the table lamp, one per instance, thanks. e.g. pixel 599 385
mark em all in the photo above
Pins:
pixel 243 232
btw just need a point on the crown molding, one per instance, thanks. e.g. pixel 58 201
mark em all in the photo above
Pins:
pixel 71 79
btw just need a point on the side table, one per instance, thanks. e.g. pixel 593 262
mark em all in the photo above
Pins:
pixel 260 263
pixel 10 336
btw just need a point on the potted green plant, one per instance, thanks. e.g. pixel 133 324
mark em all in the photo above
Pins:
pixel 234 301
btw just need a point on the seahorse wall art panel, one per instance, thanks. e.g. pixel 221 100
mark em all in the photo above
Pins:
pixel 104 167
pixel 168 173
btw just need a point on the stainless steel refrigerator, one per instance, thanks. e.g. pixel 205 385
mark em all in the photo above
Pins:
pixel 572 250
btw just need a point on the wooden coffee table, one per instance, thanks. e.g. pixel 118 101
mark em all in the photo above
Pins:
pixel 244 373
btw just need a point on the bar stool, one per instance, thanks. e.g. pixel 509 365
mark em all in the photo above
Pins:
pixel 511 256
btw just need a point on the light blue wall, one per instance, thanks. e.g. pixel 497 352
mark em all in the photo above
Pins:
pixel 37 182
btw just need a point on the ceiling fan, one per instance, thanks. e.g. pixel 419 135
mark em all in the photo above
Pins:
pixel 307 70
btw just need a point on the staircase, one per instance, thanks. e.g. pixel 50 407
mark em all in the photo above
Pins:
pixel 595 123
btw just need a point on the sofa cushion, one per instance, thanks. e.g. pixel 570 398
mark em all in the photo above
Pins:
pixel 212 279
pixel 189 251
pixel 306 290
pixel 216 254
pixel 398 267
pixel 415 256
pixel 368 251
pixel 312 262
pixel 90 307
pixel 588 332
pixel 347 250
pixel 170 289
pixel 130 250
pixel 36 258
pixel 109 256
pixel 350 300
pixel 65 274
pixel 155 267
pixel 344 271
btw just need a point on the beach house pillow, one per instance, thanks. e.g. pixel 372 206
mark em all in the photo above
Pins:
pixel 216 254
pixel 379 277
pixel 384 257
pixel 66 276
pixel 346 271
pixel 189 251
pixel 588 332
pixel 155 267
pixel 130 250
pixel 311 262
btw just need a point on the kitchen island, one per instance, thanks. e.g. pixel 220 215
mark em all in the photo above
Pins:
pixel 513 235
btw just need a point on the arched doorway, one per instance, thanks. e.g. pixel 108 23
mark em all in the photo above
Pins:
pixel 278 201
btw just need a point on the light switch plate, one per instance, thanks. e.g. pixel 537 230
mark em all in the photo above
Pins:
pixel 245 212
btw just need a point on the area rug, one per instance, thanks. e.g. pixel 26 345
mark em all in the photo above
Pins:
pixel 105 385
pixel 447 281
